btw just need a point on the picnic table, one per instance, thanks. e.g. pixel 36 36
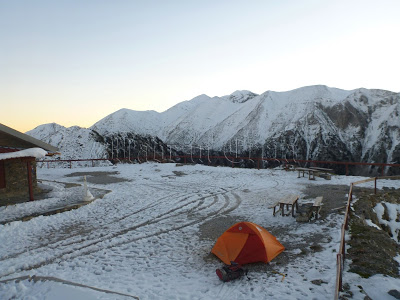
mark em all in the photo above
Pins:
pixel 327 170
pixel 290 201
pixel 311 172
pixel 323 172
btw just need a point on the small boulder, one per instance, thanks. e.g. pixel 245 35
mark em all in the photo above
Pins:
pixel 394 293
pixel 304 213
pixel 318 281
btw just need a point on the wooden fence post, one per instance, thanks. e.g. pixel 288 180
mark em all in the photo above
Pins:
pixel 343 250
pixel 339 273
pixel 30 183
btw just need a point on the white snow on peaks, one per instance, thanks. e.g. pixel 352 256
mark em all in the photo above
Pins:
pixel 126 120
pixel 316 93
pixel 73 142
pixel 31 152
pixel 216 120
pixel 240 96
pixel 362 119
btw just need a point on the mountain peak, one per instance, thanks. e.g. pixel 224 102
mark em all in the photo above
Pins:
pixel 240 96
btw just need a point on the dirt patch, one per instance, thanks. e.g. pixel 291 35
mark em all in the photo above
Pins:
pixel 99 173
pixel 179 173
pixel 70 185
pixel 212 229
pixel 335 197
pixel 98 177
pixel 366 241
pixel 176 174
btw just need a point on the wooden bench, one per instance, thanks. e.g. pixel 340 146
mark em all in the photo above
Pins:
pixel 289 201
pixel 276 204
pixel 317 205
pixel 311 172
pixel 324 172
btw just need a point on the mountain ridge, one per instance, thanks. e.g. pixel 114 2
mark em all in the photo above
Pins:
pixel 314 122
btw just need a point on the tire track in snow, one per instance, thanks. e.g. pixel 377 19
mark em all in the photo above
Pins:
pixel 82 234
pixel 92 245
pixel 238 201
pixel 61 242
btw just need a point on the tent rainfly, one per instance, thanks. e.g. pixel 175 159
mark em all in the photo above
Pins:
pixel 246 242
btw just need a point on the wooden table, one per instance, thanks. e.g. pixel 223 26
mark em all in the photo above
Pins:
pixel 311 172
pixel 289 201
pixel 322 169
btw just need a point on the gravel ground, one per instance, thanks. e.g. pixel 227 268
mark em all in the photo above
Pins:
pixel 335 198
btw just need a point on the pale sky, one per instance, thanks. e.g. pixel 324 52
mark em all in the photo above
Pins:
pixel 75 62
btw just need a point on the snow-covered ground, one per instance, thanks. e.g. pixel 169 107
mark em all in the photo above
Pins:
pixel 146 239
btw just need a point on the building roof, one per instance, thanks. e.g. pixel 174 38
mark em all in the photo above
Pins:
pixel 13 139
pixel 31 152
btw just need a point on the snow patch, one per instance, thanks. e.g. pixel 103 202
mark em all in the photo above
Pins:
pixel 393 210
pixel 31 152
pixel 372 224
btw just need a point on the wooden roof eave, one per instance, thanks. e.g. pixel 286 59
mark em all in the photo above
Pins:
pixel 28 139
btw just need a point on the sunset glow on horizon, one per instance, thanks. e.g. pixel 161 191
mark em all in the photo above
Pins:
pixel 75 62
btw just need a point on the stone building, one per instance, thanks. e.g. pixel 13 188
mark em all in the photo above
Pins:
pixel 18 153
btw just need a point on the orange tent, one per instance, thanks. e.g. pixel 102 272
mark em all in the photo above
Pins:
pixel 246 242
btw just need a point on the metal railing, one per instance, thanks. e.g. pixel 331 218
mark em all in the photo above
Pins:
pixel 229 160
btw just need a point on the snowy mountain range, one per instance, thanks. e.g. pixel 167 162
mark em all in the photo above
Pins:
pixel 315 122
pixel 74 142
